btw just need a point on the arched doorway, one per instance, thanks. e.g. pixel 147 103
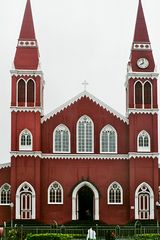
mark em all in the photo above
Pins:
pixel 85 197
pixel 85 203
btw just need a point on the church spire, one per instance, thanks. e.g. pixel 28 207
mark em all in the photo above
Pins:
pixel 141 56
pixel 27 56
pixel 27 28
pixel 141 33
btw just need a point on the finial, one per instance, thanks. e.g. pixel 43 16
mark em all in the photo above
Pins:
pixel 85 83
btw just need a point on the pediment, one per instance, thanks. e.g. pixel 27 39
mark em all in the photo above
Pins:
pixel 78 98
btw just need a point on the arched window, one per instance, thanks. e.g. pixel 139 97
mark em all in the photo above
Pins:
pixel 144 202
pixel 143 142
pixel 30 93
pixel 25 201
pixel 5 194
pixel 115 193
pixel 55 193
pixel 138 94
pixel 61 139
pixel 85 131
pixel 25 140
pixel 147 93
pixel 21 92
pixel 108 140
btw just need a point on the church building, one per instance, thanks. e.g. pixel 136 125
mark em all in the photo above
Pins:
pixel 84 160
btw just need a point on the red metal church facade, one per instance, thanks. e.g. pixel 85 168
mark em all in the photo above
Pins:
pixel 83 160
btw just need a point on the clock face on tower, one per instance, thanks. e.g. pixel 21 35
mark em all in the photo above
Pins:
pixel 142 63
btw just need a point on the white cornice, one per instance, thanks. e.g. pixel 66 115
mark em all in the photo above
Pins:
pixel 151 75
pixel 26 72
pixel 91 97
pixel 143 155
pixel 25 154
pixel 5 165
pixel 26 109
pixel 142 111
pixel 141 75
pixel 86 156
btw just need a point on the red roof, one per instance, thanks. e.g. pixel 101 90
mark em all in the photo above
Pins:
pixel 27 54
pixel 141 33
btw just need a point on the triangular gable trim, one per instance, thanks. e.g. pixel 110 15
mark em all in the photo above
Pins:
pixel 5 165
pixel 78 97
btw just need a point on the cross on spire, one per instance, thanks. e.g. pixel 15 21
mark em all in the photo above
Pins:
pixel 85 83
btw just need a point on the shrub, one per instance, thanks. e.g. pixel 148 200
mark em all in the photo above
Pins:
pixel 53 236
pixel 147 236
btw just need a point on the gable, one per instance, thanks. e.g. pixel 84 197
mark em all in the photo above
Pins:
pixel 77 98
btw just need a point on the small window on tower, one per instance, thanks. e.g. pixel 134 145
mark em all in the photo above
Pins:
pixel 21 92
pixel 30 93
pixel 25 140
pixel 147 95
pixel 143 142
pixel 138 94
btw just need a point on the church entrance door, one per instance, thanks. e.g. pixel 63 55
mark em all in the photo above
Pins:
pixel 85 203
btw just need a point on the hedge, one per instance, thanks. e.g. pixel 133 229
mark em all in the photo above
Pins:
pixel 147 236
pixel 53 236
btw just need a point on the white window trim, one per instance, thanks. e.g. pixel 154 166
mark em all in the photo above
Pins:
pixel 55 203
pixel 28 147
pixel 69 134
pixel 4 204
pixel 18 201
pixel 151 200
pixel 26 82
pixel 121 189
pixel 109 127
pixel 143 93
pixel 144 149
pixel 77 135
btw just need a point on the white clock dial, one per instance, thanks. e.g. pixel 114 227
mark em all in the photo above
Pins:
pixel 142 63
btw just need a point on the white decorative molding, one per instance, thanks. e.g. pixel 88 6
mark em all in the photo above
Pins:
pixel 5 165
pixel 26 109
pixel 27 43
pixel 141 46
pixel 26 154
pixel 91 97
pixel 143 155
pixel 143 111
pixel 87 156
pixel 140 75
pixel 28 73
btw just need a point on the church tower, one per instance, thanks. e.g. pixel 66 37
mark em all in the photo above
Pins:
pixel 142 111
pixel 26 111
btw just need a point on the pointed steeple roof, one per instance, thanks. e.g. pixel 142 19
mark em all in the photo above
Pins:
pixel 141 59
pixel 141 33
pixel 27 28
pixel 27 54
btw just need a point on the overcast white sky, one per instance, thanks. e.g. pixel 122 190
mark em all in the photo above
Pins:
pixel 78 40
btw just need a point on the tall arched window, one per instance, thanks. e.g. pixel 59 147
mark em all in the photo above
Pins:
pixel 61 139
pixel 21 92
pixel 115 193
pixel 30 93
pixel 144 202
pixel 25 202
pixel 5 194
pixel 55 193
pixel 147 93
pixel 143 142
pixel 85 129
pixel 138 94
pixel 25 140
pixel 108 140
